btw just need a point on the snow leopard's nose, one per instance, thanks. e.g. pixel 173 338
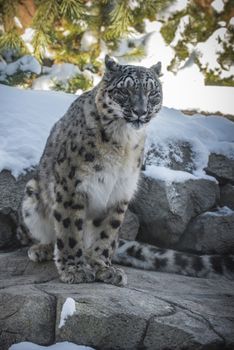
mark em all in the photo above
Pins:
pixel 139 112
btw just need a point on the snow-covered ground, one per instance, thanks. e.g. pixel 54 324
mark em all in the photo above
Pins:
pixel 27 117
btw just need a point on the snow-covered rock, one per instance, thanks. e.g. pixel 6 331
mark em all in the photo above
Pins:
pixel 165 208
pixel 210 232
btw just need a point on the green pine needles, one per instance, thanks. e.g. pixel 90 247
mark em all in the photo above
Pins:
pixel 60 24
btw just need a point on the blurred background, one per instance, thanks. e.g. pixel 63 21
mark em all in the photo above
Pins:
pixel 61 44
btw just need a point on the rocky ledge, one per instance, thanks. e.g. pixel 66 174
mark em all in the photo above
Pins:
pixel 155 311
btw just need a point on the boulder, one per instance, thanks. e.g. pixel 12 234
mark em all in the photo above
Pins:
pixel 174 154
pixel 130 226
pixel 154 311
pixel 210 233
pixel 11 191
pixel 221 167
pixel 227 196
pixel 165 209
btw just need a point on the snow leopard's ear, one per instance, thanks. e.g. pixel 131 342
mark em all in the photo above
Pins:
pixel 156 68
pixel 111 65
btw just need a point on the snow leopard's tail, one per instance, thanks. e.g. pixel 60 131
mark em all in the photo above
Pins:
pixel 148 257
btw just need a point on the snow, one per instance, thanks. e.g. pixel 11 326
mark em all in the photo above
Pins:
pixel 68 309
pixel 58 346
pixel 28 115
pixel 26 119
pixel 218 5
pixel 221 211
pixel 168 175
pixel 25 64
pixel 204 135
pixel 184 21
pixel 208 52
pixel 27 37
pixel 57 73
pixel 17 22
pixel 88 40
pixel 176 6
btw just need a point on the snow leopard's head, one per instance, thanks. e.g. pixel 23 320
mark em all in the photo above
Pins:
pixel 129 92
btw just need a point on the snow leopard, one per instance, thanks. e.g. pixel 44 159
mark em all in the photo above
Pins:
pixel 88 173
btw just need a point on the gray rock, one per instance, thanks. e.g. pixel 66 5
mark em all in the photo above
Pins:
pixel 154 311
pixel 227 196
pixel 26 313
pixel 221 167
pixel 8 222
pixel 11 193
pixel 130 226
pixel 210 233
pixel 164 210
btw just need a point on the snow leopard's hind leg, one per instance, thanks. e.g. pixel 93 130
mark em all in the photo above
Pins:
pixel 38 225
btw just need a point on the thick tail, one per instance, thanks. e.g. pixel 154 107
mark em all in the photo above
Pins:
pixel 148 257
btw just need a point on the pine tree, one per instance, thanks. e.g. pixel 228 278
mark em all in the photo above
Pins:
pixel 60 24
pixel 203 22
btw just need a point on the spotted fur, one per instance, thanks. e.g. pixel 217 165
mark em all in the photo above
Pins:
pixel 87 175
pixel 147 257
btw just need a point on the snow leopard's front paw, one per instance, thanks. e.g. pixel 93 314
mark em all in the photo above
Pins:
pixel 77 274
pixel 41 252
pixel 112 275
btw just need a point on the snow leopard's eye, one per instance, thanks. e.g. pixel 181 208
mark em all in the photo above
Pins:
pixel 153 93
pixel 122 91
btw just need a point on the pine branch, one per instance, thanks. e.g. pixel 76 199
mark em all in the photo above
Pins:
pixel 12 41
pixel 120 18
pixel 72 9
pixel 8 9
pixel 134 54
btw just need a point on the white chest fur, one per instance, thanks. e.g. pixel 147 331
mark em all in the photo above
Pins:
pixel 116 183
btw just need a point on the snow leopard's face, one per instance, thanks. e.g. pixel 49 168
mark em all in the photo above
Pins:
pixel 130 92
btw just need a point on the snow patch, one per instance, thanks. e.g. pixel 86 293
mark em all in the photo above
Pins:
pixel 209 50
pixel 177 6
pixel 27 37
pixel 88 39
pixel 218 5
pixel 26 119
pixel 221 211
pixel 25 64
pixel 184 21
pixel 57 73
pixel 68 309
pixel 168 175
pixel 204 135
pixel 58 346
